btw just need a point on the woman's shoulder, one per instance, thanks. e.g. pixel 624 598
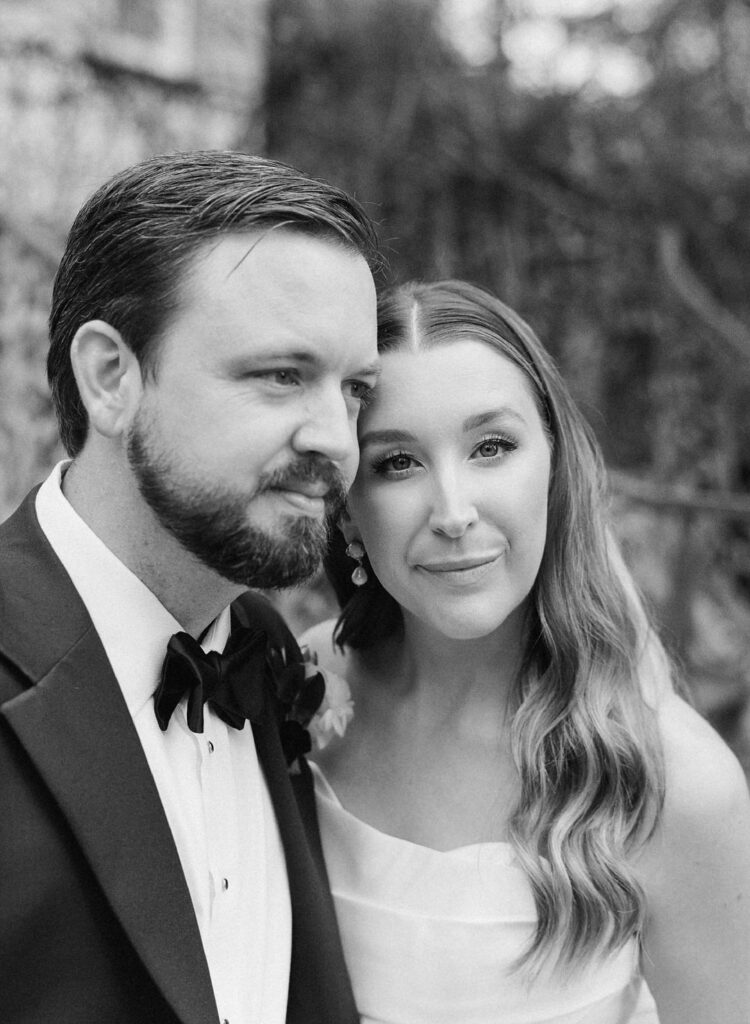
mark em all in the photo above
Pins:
pixel 704 825
pixel 703 778
pixel 701 774
pixel 695 873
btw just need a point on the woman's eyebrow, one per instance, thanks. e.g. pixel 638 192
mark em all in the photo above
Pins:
pixel 481 419
pixel 472 422
pixel 385 437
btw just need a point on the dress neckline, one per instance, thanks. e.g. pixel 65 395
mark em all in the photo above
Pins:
pixel 325 791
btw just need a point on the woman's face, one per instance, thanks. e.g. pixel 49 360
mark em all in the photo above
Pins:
pixel 451 495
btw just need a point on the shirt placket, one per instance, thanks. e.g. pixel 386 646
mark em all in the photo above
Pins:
pixel 220 816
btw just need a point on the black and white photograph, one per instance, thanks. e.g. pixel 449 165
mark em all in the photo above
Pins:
pixel 375 512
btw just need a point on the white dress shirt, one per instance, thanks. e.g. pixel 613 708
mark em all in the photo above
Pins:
pixel 211 785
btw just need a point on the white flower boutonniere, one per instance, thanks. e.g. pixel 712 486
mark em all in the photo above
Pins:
pixel 336 709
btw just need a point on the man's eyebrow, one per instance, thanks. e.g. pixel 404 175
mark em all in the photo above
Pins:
pixel 371 370
pixel 309 357
pixel 481 419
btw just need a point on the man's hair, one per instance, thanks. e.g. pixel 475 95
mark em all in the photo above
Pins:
pixel 133 241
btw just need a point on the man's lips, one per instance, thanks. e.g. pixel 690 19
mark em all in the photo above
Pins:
pixel 308 497
pixel 309 488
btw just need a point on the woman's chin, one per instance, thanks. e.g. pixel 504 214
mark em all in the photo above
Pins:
pixel 462 627
pixel 476 620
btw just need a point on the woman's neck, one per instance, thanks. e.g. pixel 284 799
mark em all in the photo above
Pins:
pixel 428 754
pixel 440 682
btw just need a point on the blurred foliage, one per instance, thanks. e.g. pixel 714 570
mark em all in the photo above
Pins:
pixel 618 225
pixel 565 202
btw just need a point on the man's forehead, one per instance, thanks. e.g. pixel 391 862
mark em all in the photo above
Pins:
pixel 254 247
pixel 288 294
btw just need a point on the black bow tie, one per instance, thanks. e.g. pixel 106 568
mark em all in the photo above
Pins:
pixel 234 682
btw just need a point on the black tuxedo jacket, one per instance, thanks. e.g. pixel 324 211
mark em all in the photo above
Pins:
pixel 96 922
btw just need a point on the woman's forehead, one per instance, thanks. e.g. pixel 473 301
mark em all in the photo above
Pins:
pixel 454 380
pixel 450 364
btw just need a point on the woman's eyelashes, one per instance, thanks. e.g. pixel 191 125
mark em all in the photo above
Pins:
pixel 395 464
pixel 494 446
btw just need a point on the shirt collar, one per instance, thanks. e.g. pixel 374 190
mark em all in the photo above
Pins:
pixel 133 625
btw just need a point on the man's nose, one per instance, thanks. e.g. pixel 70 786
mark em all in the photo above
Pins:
pixel 328 428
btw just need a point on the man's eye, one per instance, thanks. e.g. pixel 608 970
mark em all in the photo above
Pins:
pixel 283 377
pixel 360 391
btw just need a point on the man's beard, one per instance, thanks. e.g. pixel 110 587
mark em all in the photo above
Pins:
pixel 212 523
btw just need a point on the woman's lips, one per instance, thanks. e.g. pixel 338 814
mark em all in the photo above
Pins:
pixel 463 570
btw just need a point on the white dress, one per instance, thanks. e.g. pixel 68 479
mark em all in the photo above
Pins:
pixel 429 936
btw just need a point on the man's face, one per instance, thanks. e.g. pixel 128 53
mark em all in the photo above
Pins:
pixel 245 439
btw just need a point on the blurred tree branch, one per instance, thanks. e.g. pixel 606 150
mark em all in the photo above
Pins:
pixel 686 284
pixel 679 498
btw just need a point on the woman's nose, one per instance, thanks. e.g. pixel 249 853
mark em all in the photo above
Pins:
pixel 453 510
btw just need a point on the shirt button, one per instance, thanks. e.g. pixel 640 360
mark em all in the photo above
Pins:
pixel 225 884
pixel 210 747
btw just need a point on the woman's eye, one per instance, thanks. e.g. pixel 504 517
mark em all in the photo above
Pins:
pixel 394 465
pixel 491 447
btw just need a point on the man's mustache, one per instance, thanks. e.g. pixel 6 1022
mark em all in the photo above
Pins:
pixel 311 469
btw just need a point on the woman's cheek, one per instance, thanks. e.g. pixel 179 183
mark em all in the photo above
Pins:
pixel 386 526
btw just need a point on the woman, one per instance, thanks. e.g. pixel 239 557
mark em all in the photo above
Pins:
pixel 522 820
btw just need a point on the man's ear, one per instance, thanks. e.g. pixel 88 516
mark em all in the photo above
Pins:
pixel 108 376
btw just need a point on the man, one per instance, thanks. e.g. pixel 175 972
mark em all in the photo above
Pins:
pixel 212 340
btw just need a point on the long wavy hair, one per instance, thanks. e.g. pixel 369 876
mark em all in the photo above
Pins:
pixel 583 733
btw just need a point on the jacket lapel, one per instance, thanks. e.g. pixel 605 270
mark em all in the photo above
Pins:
pixel 76 728
pixel 319 987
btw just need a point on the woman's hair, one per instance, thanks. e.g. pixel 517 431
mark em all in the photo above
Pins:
pixel 584 737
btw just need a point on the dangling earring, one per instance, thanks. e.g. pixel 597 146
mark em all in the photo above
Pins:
pixel 357 552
